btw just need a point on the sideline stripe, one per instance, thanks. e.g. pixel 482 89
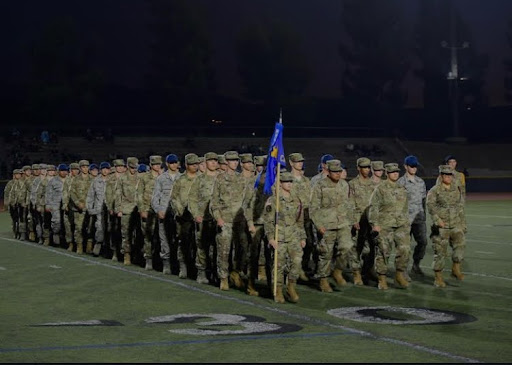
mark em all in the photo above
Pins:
pixel 489 216
pixel 254 304
pixel 174 343
pixel 491 242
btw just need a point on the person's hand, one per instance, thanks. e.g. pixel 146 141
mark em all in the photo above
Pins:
pixel 273 243
pixel 120 214
pixel 441 224
pixel 144 215
pixel 252 229
pixel 220 222
pixel 302 243
pixel 322 230
pixel 161 214
pixel 199 219
pixel 357 226
pixel 376 229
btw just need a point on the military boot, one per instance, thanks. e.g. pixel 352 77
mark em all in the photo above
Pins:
pixel 183 271
pixel 456 273
pixel 40 240
pixel 278 298
pixel 114 257
pixel 70 247
pixel 416 269
pixel 338 277
pixel 262 273
pixel 358 280
pixel 224 284
pixel 56 240
pixel 251 289
pixel 167 268
pixel 127 259
pixel 292 293
pixel 303 276
pixel 97 249
pixel 79 248
pixel 88 248
pixel 149 265
pixel 325 286
pixel 438 279
pixel 46 242
pixel 400 280
pixel 31 236
pixel 235 277
pixel 383 284
pixel 201 277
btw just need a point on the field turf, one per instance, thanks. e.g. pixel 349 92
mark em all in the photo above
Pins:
pixel 49 296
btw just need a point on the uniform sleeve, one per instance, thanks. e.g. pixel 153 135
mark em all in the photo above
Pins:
pixel 89 203
pixel 193 199
pixel 155 197
pixel 175 198
pixel 215 202
pixel 432 205
pixel 315 205
pixel 7 193
pixel 373 211
pixel 270 218
pixel 248 205
pixel 118 195
pixel 141 193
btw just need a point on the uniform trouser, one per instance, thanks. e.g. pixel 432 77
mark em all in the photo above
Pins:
pixel 90 227
pixel 289 257
pixel 114 231
pixel 365 245
pixel 56 220
pixel 241 248
pixel 37 222
pixel 227 238
pixel 310 245
pixel 13 211
pixel 205 240
pixel 80 227
pixel 100 225
pixel 129 226
pixel 345 251
pixel 419 232
pixel 147 226
pixel 441 238
pixel 186 241
pixel 46 225
pixel 167 235
pixel 401 239
pixel 255 248
pixel 23 214
pixel 69 226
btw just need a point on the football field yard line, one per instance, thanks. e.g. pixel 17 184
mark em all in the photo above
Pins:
pixel 489 216
pixel 175 343
pixel 491 242
pixel 301 317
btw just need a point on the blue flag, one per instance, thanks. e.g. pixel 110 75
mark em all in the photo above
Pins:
pixel 275 158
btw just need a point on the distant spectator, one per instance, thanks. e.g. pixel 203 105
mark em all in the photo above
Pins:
pixel 45 137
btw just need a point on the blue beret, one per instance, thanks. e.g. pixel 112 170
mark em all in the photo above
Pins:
pixel 343 166
pixel 171 158
pixel 104 165
pixel 63 167
pixel 142 168
pixel 448 158
pixel 326 158
pixel 93 166
pixel 411 161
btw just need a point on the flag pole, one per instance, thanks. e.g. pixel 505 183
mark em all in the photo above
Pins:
pixel 278 187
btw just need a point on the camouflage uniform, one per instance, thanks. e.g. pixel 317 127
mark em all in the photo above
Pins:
pixel 46 217
pixel 199 205
pixel 68 217
pixel 37 216
pixel 23 200
pixel 331 208
pixel 302 188
pixel 184 222
pixel 290 234
pixel 160 202
pixel 77 205
pixel 53 202
pixel 446 204
pixel 9 202
pixel 389 210
pixel 125 202
pixel 416 195
pixel 146 186
pixel 96 205
pixel 227 204
pixel 459 179
pixel 113 224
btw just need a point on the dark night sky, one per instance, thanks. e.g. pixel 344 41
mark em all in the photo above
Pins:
pixel 118 28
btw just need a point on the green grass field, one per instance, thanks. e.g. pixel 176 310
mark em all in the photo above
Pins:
pixel 41 285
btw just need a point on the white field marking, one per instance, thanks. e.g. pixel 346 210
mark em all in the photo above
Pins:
pixel 475 274
pixel 481 225
pixel 274 309
pixel 485 252
pixel 489 216
pixel 491 242
pixel 55 267
pixel 92 322
pixel 2 268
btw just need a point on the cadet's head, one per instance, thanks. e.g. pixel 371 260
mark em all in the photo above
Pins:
pixel 411 165
pixel 84 166
pixel 119 165
pixel 334 170
pixel 260 162
pixel 286 181
pixel 246 161
pixel 27 170
pixel 377 168
pixel 17 173
pixel 211 160
pixel 364 166
pixel 324 160
pixel 451 161
pixel 232 160
pixel 50 169
pixel 155 162
pixel 296 161
pixel 343 175
pixel 63 170
pixel 105 168
pixel 36 169
pixel 446 173
pixel 171 161
pixel 202 164
pixel 44 169
pixel 133 164
pixel 74 168
pixel 392 171
pixel 192 162
pixel 93 169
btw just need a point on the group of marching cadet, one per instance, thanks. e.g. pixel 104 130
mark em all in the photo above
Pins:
pixel 214 223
